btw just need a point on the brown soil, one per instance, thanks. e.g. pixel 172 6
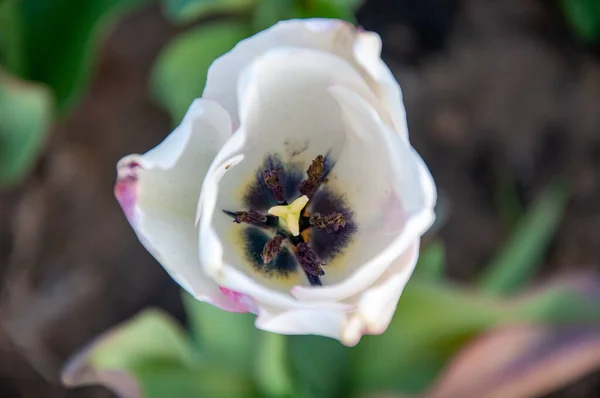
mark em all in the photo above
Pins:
pixel 493 90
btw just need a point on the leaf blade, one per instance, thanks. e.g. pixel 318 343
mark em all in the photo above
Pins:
pixel 60 39
pixel 179 74
pixel 184 11
pixel 226 338
pixel 25 116
pixel 517 260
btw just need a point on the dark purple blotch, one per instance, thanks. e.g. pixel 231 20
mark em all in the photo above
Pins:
pixel 259 195
pixel 283 264
pixel 327 245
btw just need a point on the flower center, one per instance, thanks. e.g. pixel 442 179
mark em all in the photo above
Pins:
pixel 289 215
pixel 281 237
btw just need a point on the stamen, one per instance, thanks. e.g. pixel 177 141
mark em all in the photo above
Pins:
pixel 316 173
pixel 316 170
pixel 271 249
pixel 249 217
pixel 330 222
pixel 271 178
pixel 309 260
pixel 290 233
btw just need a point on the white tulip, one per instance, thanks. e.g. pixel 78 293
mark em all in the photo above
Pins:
pixel 290 189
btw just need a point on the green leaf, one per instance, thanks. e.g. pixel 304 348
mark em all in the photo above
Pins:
pixel 225 338
pixel 572 299
pixel 173 382
pixel 517 260
pixel 180 72
pixel 150 336
pixel 319 365
pixel 150 356
pixel 59 39
pixel 272 370
pixel 182 11
pixel 431 261
pixel 25 116
pixel 339 9
pixel 584 18
pixel 506 198
pixel 117 358
pixel 353 5
pixel 11 53
pixel 269 12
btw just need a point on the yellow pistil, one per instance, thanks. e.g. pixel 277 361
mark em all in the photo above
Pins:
pixel 289 215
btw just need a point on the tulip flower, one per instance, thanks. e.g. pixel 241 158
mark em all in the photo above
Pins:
pixel 290 189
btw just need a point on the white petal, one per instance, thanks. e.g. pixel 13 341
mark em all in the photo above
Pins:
pixel 376 305
pixel 321 34
pixel 317 321
pixel 367 51
pixel 159 191
pixel 407 214
pixel 361 49
pixel 285 106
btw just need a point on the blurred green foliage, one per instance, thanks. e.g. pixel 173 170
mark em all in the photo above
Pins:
pixel 211 332
pixel 180 71
pixel 319 366
pixel 340 9
pixel 432 262
pixel 25 114
pixel 151 356
pixel 134 345
pixel 584 18
pixel 10 38
pixel 516 261
pixel 182 11
pixel 273 377
pixel 431 323
pixel 54 42
pixel 269 12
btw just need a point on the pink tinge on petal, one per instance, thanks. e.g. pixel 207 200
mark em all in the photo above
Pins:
pixel 394 213
pixel 126 190
pixel 243 302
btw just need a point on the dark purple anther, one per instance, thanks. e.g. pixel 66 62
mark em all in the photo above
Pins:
pixel 309 260
pixel 249 217
pixel 329 222
pixel 316 173
pixel 308 188
pixel 272 180
pixel 271 249
pixel 316 170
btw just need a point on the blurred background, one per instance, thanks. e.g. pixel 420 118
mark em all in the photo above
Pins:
pixel 503 103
